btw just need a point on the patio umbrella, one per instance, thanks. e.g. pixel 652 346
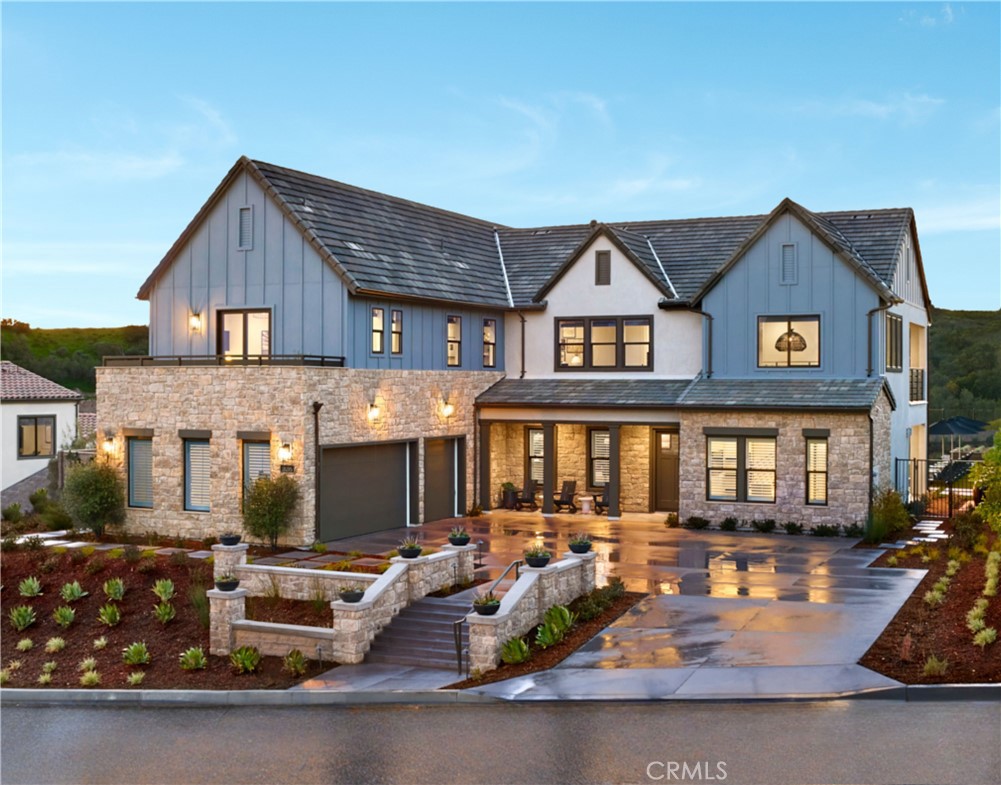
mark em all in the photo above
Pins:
pixel 956 427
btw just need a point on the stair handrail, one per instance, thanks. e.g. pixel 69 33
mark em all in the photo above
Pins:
pixel 457 624
pixel 516 564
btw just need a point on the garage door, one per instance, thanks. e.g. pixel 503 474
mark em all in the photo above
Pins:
pixel 364 489
pixel 444 472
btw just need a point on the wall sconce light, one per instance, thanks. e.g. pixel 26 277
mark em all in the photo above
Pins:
pixel 447 409
pixel 373 411
pixel 285 453
pixel 109 443
pixel 195 322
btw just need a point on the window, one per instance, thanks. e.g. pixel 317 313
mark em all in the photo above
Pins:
pixel 396 337
pixel 602 268
pixel 454 341
pixel 788 273
pixel 378 330
pixel 740 468
pixel 534 454
pixel 816 471
pixel 256 462
pixel 788 341
pixel 140 467
pixel 245 239
pixel 245 333
pixel 197 472
pixel 614 343
pixel 599 451
pixel 894 342
pixel 36 437
pixel 489 343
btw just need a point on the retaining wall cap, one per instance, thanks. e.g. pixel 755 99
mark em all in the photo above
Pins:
pixel 271 626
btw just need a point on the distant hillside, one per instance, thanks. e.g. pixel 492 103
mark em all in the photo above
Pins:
pixel 68 356
pixel 964 362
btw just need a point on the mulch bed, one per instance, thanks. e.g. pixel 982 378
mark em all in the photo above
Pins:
pixel 544 659
pixel 165 642
pixel 282 611
pixel 919 630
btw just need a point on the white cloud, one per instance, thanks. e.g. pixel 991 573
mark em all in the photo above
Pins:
pixel 653 179
pixel 906 108
pixel 971 215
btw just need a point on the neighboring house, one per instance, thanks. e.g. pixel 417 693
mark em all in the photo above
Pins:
pixel 39 416
pixel 404 361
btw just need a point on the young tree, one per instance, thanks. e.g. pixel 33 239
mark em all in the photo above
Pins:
pixel 268 506
pixel 93 495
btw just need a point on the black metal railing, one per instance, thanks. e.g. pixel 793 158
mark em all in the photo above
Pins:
pixel 941 488
pixel 458 623
pixel 223 360
pixel 918 384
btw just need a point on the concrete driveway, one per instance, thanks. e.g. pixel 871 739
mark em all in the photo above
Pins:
pixel 729 614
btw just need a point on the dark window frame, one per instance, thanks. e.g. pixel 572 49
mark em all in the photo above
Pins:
pixel 620 344
pixel 187 443
pixel 130 473
pixel 21 455
pixel 222 313
pixel 825 473
pixel 456 341
pixel 490 347
pixel 894 343
pixel 789 319
pixel 591 485
pixel 377 333
pixel 741 469
pixel 530 458
pixel 396 335
pixel 602 268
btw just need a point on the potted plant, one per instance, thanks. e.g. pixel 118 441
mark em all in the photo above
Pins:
pixel 458 536
pixel 509 495
pixel 580 542
pixel 486 604
pixel 227 582
pixel 537 556
pixel 351 593
pixel 229 538
pixel 410 548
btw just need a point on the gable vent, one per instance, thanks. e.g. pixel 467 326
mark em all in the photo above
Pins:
pixel 602 268
pixel 788 263
pixel 246 230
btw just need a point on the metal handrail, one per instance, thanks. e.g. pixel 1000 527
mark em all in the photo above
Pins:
pixel 132 360
pixel 516 564
pixel 457 624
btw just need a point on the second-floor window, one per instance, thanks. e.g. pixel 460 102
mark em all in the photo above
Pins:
pixel 489 343
pixel 396 345
pixel 36 437
pixel 244 333
pixel 378 330
pixel 453 344
pixel 788 341
pixel 894 342
pixel 614 343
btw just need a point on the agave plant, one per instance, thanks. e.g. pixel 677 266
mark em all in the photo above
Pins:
pixel 164 589
pixel 71 592
pixel 193 659
pixel 164 612
pixel 136 654
pixel 63 615
pixel 109 614
pixel 114 588
pixel 22 617
pixel 30 587
pixel 245 659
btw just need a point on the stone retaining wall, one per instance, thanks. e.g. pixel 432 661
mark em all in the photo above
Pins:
pixel 277 640
pixel 525 605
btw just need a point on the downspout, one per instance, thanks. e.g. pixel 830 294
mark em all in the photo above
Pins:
pixel 871 461
pixel 709 359
pixel 316 469
pixel 522 317
pixel 868 363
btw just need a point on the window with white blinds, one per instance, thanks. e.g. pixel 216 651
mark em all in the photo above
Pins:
pixel 722 464
pixel 760 470
pixel 140 453
pixel 599 455
pixel 197 475
pixel 534 444
pixel 816 471
pixel 256 462
pixel 740 468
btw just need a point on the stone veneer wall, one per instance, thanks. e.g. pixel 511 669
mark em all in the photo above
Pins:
pixel 277 400
pixel 848 464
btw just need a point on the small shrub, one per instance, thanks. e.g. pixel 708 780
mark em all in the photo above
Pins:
pixel 671 521
pixel 515 651
pixel 180 559
pixel 136 654
pixel 888 516
pixel 56 518
pixel 100 643
pixel 729 524
pixel 966 528
pixel 77 557
pixel 268 505
pixel 986 636
pixel 30 587
pixel 95 565
pixel 935 667
pixel 33 544
pixel 952 568
pixel 826 530
pixel 49 667
pixel 90 679
pixel 44 678
pixel 245 659
pixel 131 554
pixel 318 547
pixel 25 644
pixel 791 527
pixel 934 598
pixel 200 603
pixel 109 614
pixel 164 589
pixel 114 588
pixel 93 495
pixel 14 665
pixel 164 612
pixel 891 560
pixel 975 623
pixel 135 678
pixel 147 565
pixel 193 659
pixel 22 617
pixel 560 618
pixel 12 513
pixel 854 530
pixel 52 645
pixel 4 676
pixel 696 522
pixel 294 662
pixel 765 526
pixel 589 608
pixel 39 500
pixel 63 616
pixel 941 585
pixel 547 635
pixel 87 664
pixel 614 589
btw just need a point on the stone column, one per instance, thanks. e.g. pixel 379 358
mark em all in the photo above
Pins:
pixel 226 558
pixel 545 586
pixel 614 444
pixel 486 491
pixel 588 571
pixel 353 630
pixel 485 641
pixel 466 556
pixel 225 607
pixel 548 466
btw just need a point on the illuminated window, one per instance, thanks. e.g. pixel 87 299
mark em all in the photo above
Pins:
pixel 454 341
pixel 489 343
pixel 788 341
pixel 378 330
pixel 36 437
pixel 816 471
pixel 244 333
pixel 740 468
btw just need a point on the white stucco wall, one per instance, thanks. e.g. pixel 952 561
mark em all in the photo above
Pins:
pixel 677 335
pixel 14 469
pixel 907 414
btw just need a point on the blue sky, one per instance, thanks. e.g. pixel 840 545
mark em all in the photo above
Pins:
pixel 120 119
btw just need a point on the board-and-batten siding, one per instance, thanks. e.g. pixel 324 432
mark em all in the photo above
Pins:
pixel 281 272
pixel 907 279
pixel 424 336
pixel 825 286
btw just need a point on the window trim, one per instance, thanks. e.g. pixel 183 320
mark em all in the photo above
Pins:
pixel 492 345
pixel 130 473
pixel 396 335
pixel 20 436
pixel 894 343
pixel 592 486
pixel 789 319
pixel 449 341
pixel 741 469
pixel 221 314
pixel 187 443
pixel 810 438
pixel 620 345
pixel 374 332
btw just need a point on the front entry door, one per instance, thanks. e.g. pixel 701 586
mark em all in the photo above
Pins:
pixel 665 467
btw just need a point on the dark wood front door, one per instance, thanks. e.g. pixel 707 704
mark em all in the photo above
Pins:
pixel 665 466
pixel 444 475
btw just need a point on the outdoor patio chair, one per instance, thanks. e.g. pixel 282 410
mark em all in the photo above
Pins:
pixel 600 503
pixel 527 497
pixel 565 498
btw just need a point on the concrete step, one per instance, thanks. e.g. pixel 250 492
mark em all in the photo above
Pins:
pixel 422 634
pixel 440 662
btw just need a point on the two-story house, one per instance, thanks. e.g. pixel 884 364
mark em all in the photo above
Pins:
pixel 403 361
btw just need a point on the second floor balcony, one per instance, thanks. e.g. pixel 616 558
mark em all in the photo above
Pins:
pixel 222 360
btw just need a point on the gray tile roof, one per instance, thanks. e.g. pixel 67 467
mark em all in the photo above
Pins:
pixel 694 394
pixel 20 384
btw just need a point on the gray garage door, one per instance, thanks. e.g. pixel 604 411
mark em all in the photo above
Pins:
pixel 444 474
pixel 364 489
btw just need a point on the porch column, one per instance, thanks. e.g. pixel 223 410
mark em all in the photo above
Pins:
pixel 614 439
pixel 486 492
pixel 548 466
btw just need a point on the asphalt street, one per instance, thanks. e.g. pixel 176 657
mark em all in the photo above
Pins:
pixel 872 741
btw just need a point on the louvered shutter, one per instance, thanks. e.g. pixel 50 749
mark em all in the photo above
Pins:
pixel 601 444
pixel 788 263
pixel 140 473
pixel 197 476
pixel 246 238
pixel 256 462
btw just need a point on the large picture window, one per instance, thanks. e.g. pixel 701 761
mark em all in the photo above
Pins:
pixel 816 471
pixel 599 452
pixel 197 475
pixel 453 342
pixel 489 343
pixel 613 343
pixel 740 468
pixel 788 341
pixel 534 454
pixel 894 342
pixel 244 333
pixel 140 458
pixel 36 437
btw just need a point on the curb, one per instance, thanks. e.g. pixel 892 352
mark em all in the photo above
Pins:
pixel 916 693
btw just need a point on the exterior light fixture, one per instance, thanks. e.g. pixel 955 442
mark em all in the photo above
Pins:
pixel 373 411
pixel 195 322
pixel 447 409
pixel 109 444
pixel 285 452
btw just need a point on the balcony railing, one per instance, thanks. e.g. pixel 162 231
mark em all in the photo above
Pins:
pixel 186 360
pixel 918 384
